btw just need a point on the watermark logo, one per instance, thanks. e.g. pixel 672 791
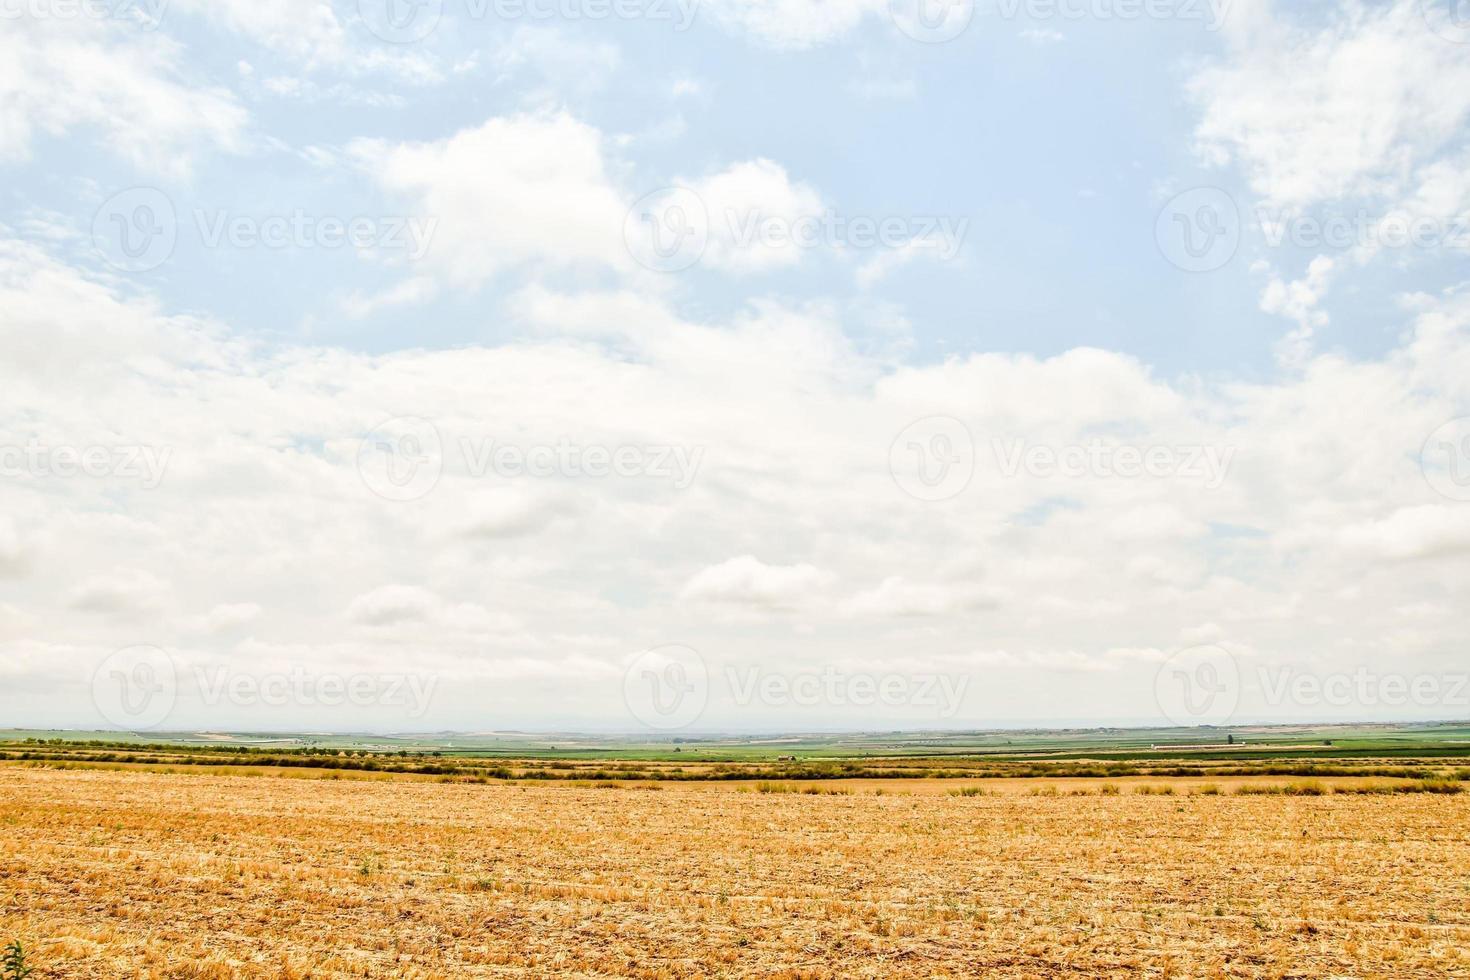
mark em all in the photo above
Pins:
pixel 932 21
pixel 401 21
pixel 667 230
pixel 145 14
pixel 666 687
pixel 933 459
pixel 1445 459
pixel 401 459
pixel 1198 686
pixel 135 230
pixel 1450 19
pixel 135 688
pixel 1199 229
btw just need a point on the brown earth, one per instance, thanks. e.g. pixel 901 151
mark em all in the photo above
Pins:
pixel 135 874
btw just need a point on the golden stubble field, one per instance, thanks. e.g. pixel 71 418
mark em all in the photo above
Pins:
pixel 133 874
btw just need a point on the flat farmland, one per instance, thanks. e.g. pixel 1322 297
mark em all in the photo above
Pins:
pixel 198 874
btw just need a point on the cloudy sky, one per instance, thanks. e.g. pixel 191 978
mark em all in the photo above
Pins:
pixel 632 365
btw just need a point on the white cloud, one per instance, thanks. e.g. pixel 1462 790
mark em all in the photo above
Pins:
pixel 557 58
pixel 127 88
pixel 308 33
pixel 1298 300
pixel 795 24
pixel 129 593
pixel 749 582
pixel 939 247
pixel 15 555
pixel 1365 114
pixel 1349 109
pixel 512 190
pixel 896 596
pixel 1041 36
pixel 1409 533
pixel 488 575
pixel 418 289
pixel 224 617
pixel 743 201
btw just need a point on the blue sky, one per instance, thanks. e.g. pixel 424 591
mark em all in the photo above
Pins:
pixel 1055 147
pixel 894 458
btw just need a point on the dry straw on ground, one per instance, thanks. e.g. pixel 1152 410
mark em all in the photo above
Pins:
pixel 130 874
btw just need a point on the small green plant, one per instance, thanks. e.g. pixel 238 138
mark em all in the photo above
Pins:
pixel 13 965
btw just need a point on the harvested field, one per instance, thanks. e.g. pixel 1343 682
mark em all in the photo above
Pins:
pixel 132 874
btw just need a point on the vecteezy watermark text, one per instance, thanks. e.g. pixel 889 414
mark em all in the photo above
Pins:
pixel 1362 229
pixel 669 688
pixel 408 234
pixel 1200 230
pixel 145 464
pixel 403 459
pixel 138 688
pixel 409 21
pixel 1211 13
pixel 299 686
pixel 672 229
pixel 1205 685
pixel 935 458
pixel 147 14
pixel 835 687
pixel 138 229
pixel 1208 464
pixel 1363 687
pixel 678 464
pixel 937 21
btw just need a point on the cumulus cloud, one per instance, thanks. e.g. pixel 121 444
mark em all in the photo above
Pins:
pixel 748 582
pixel 511 190
pixel 1352 108
pixel 1362 115
pixel 126 89
pixel 1298 300
pixel 15 555
pixel 897 597
pixel 1411 533
pixel 796 538
pixel 795 24
pixel 126 593
pixel 753 208
pixel 308 33
pixel 393 604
